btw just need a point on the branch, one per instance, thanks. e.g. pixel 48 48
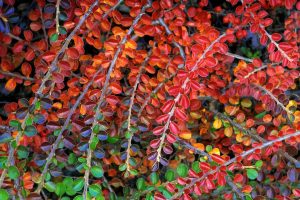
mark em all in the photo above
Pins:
pixel 239 57
pixel 60 134
pixel 130 109
pixel 182 54
pixel 57 16
pixel 16 75
pixel 273 97
pixel 166 126
pixel 254 136
pixel 244 154
pixel 276 44
pixel 264 66
pixel 43 26
pixel 104 89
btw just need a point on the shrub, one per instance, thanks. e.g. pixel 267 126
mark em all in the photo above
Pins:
pixel 149 99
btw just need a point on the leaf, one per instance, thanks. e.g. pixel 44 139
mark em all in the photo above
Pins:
pixel 252 174
pixel 170 175
pixel 60 189
pixel 13 172
pixel 97 171
pixel 78 184
pixel 95 190
pixel 53 37
pixel 5 137
pixel 4 194
pixel 154 178
pixel 140 184
pixel 182 170
pixel 30 131
pixel 50 186
pixel 10 85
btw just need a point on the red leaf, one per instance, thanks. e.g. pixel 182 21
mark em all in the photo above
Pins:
pixel 210 184
pixel 211 62
pixel 204 166
pixel 72 53
pixel 162 118
pixel 158 130
pixel 202 72
pixel 174 128
pixel 167 106
pixel 171 138
pixel 218 159
pixel 180 114
pixel 155 143
pixel 184 101
pixel 238 178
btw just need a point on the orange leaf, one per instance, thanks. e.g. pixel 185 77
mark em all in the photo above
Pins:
pixel 10 85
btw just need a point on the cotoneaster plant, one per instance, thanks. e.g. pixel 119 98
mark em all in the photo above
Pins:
pixel 149 99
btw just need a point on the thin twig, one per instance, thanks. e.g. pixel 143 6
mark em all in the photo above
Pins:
pixel 137 81
pixel 254 136
pixel 57 16
pixel 25 42
pixel 16 75
pixel 171 113
pixel 244 154
pixel 239 57
pixel 43 26
pixel 181 51
pixel 273 97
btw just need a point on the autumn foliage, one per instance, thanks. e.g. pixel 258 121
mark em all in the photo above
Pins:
pixel 142 99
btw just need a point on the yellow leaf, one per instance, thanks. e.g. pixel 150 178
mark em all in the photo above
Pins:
pixel 186 135
pixel 217 123
pixel 247 103
pixel 215 151
pixel 228 131
pixel 239 137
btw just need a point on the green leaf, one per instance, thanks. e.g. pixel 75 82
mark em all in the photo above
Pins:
pixel 170 175
pixel 53 37
pixel 68 181
pixel 4 194
pixel 29 121
pixel 60 189
pixel 62 30
pixel 182 170
pixel 252 174
pixel 71 158
pixel 134 172
pixel 122 167
pixel 260 115
pixel 50 186
pixel 13 172
pixel 112 140
pixel 78 184
pixel 96 129
pixel 154 178
pixel 132 162
pixel 208 148
pixel 22 152
pixel 94 190
pixel 30 131
pixel 259 164
pixel 97 171
pixel 140 184
pixel 14 123
pixel 128 134
pixel 195 166
pixel 94 143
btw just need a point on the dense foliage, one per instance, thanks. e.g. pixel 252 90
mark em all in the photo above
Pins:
pixel 163 99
